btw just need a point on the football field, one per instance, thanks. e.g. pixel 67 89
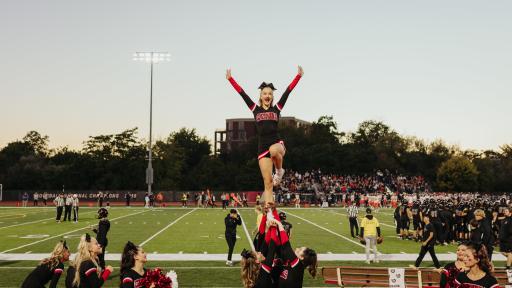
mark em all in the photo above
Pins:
pixel 191 240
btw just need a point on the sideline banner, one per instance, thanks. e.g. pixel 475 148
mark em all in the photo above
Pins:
pixel 396 277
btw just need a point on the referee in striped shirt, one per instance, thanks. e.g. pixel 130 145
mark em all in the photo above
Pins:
pixel 352 218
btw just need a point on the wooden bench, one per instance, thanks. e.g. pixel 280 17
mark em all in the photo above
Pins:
pixel 345 276
pixel 501 275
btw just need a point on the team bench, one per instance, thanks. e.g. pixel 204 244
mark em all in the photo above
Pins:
pixel 345 276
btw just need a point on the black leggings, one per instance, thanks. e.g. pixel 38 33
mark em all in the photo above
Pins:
pixel 231 239
pixel 101 257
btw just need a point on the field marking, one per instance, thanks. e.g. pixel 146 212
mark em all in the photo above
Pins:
pixel 328 230
pixel 163 229
pixel 69 232
pixel 246 232
pixel 11 213
pixel 25 223
pixel 380 222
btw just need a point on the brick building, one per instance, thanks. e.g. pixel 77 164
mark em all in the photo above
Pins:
pixel 240 130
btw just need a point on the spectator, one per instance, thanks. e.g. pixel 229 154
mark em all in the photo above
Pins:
pixel 36 199
pixel 24 199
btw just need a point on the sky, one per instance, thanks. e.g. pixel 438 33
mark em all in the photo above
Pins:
pixel 430 69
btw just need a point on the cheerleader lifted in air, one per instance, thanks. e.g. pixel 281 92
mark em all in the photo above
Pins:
pixel 271 148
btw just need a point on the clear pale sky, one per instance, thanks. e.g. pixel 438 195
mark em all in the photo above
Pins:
pixel 431 69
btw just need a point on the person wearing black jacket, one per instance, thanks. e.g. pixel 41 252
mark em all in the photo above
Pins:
pixel 505 236
pixel 445 216
pixel 231 221
pixel 483 234
pixel 101 234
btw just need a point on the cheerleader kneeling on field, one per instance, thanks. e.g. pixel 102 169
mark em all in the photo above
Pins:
pixel 50 269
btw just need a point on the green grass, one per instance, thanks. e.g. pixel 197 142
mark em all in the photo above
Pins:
pixel 200 231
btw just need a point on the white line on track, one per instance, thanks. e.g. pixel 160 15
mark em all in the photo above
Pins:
pixel 25 223
pixel 69 232
pixel 169 225
pixel 246 232
pixel 323 228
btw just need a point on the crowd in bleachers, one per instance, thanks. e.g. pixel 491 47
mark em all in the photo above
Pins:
pixel 317 187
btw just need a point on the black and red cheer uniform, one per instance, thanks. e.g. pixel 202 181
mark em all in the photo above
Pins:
pixel 131 279
pixel 292 273
pixel 266 120
pixel 89 275
pixel 264 279
pixel 42 275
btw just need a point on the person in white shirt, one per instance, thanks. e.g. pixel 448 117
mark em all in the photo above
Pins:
pixel 59 203
pixel 75 204
pixel 67 208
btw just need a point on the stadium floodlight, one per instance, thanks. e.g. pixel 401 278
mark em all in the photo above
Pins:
pixel 152 58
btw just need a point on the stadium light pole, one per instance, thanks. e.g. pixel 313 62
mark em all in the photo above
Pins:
pixel 152 58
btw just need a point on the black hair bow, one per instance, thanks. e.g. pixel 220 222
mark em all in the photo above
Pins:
pixel 65 245
pixel 247 254
pixel 87 237
pixel 265 85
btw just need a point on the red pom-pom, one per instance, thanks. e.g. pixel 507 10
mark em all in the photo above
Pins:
pixel 157 278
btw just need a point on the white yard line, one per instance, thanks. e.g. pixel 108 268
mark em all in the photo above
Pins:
pixel 69 232
pixel 52 218
pixel 246 232
pixel 169 225
pixel 328 230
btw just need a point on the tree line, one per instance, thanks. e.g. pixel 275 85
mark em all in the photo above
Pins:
pixel 184 160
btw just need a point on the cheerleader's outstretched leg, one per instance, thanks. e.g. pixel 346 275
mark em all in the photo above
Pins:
pixel 277 152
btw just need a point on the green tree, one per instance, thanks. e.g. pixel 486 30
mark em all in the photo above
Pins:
pixel 457 174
